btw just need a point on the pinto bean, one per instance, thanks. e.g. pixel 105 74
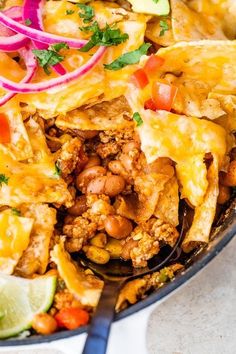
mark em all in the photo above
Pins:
pixel 117 226
pixel 87 134
pixel 229 179
pixel 83 179
pixel 44 323
pixel 132 145
pixel 79 207
pixel 224 194
pixel 116 167
pixel 93 161
pixel 109 185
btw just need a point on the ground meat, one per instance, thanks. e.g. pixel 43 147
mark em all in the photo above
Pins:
pixel 146 240
pixel 105 150
pixel 69 156
pixel 80 228
pixel 64 299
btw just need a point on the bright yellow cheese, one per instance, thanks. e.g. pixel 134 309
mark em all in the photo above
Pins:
pixel 14 239
pixel 185 140
pixel 99 83
pixel 19 147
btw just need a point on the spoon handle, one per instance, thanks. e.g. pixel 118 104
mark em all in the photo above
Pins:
pixel 99 329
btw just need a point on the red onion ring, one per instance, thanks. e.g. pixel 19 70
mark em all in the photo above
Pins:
pixel 31 65
pixel 13 43
pixel 32 10
pixel 56 82
pixel 14 12
pixel 39 36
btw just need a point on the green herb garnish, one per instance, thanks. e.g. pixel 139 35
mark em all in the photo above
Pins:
pixel 138 119
pixel 107 36
pixel 50 57
pixel 3 179
pixel 88 13
pixel 128 58
pixel 15 212
pixel 57 172
pixel 164 27
pixel 70 12
pixel 28 22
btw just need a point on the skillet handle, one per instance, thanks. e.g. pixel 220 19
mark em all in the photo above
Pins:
pixel 99 328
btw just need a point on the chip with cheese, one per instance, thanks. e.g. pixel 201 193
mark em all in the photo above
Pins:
pixel 85 287
pixel 204 214
pixel 166 134
pixel 20 147
pixel 15 236
pixel 108 115
pixel 98 82
pixel 36 257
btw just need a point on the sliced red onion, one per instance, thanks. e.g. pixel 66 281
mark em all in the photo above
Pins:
pixel 39 36
pixel 32 10
pixel 57 82
pixel 31 65
pixel 14 12
pixel 13 43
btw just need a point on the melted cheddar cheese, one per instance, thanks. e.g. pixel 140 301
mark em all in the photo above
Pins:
pixel 15 235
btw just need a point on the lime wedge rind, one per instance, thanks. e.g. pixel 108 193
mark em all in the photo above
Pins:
pixel 21 299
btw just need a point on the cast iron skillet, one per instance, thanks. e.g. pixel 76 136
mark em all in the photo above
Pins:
pixel 222 233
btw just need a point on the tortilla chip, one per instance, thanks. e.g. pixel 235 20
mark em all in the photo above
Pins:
pixel 154 30
pixel 189 25
pixel 15 236
pixel 164 134
pixel 222 10
pixel 31 183
pixel 35 258
pixel 110 115
pixel 85 287
pixel 200 229
pixel 19 147
pixel 202 68
pixel 148 188
pixel 167 208
pixel 98 82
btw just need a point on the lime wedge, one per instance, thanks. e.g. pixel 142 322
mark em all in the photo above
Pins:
pixel 21 299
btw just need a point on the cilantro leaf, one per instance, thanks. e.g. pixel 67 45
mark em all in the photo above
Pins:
pixel 128 58
pixel 70 12
pixel 88 13
pixel 57 172
pixel 15 212
pixel 50 57
pixel 28 22
pixel 3 179
pixel 107 36
pixel 138 119
pixel 164 27
pixel 156 1
pixel 58 46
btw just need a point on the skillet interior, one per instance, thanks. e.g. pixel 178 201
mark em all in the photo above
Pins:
pixel 222 233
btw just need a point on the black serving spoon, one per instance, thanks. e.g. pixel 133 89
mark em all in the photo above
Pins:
pixel 115 274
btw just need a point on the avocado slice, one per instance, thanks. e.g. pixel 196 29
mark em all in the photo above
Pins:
pixel 151 7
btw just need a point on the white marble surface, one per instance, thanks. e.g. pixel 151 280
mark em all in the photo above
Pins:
pixel 200 318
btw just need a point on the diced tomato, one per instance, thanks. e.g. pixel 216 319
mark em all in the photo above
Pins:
pixel 163 95
pixel 5 134
pixel 150 104
pixel 140 78
pixel 153 64
pixel 71 318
